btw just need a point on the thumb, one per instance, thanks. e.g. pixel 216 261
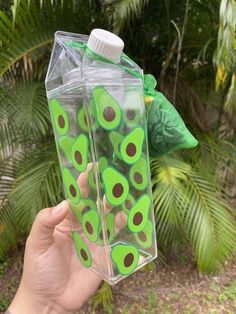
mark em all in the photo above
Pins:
pixel 45 223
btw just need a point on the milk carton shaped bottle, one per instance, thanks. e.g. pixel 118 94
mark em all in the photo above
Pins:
pixel 95 95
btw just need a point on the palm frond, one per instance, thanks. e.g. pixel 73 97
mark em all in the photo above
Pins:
pixel 121 11
pixel 38 186
pixel 8 134
pixel 208 223
pixel 24 116
pixel 29 108
pixel 167 177
pixel 189 205
pixel 8 231
pixel 225 54
pixel 230 103
pixel 225 57
pixel 32 26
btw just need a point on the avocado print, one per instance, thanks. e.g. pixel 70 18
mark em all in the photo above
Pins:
pixel 131 117
pixel 82 250
pixel 91 179
pixel 116 139
pixel 76 210
pixel 133 103
pixel 132 107
pixel 65 144
pixel 102 164
pixel 138 215
pixel 71 186
pixel 90 225
pixel 79 153
pixel 144 237
pixel 110 232
pixel 125 257
pixel 107 109
pixel 116 186
pixel 128 203
pixel 59 117
pixel 87 204
pixel 82 119
pixel 84 206
pixel 131 146
pixel 92 112
pixel 138 174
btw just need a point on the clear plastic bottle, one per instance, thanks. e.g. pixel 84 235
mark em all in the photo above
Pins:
pixel 95 95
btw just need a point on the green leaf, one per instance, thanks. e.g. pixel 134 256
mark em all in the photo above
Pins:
pixel 189 205
pixel 208 222
pixel 168 175
pixel 29 109
pixel 33 25
pixel 121 11
pixel 37 187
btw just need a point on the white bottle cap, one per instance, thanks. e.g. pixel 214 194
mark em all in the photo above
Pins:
pixel 106 44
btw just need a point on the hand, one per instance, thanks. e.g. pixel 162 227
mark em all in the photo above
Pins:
pixel 53 280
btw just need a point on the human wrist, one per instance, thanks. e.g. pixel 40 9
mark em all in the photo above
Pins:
pixel 26 303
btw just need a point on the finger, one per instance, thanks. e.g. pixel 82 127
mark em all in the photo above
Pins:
pixel 120 221
pixel 45 222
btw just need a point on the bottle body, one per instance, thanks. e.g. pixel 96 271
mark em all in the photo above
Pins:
pixel 99 123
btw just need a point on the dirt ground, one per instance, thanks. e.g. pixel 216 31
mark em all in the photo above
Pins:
pixel 173 288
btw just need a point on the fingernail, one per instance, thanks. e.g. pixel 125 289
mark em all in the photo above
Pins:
pixel 57 209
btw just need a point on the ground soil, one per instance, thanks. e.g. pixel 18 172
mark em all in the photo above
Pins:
pixel 175 288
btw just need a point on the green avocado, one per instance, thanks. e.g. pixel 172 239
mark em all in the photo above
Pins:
pixel 116 139
pixel 82 250
pixel 83 120
pixel 71 186
pixel 128 203
pixel 107 109
pixel 132 108
pixel 110 229
pixel 144 237
pixel 125 257
pixel 131 146
pixel 90 224
pixel 116 186
pixel 131 117
pixel 80 209
pixel 59 117
pixel 65 144
pixel 79 153
pixel 102 164
pixel 138 174
pixel 138 215
pixel 91 179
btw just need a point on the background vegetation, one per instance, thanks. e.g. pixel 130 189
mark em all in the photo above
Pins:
pixel 190 47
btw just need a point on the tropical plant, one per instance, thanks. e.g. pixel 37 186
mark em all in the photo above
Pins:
pixel 189 188
pixel 225 61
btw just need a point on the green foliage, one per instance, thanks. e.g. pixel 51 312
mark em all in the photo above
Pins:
pixel 189 204
pixel 4 303
pixel 225 56
pixel 225 53
pixel 229 293
pixel 121 11
pixel 36 22
pixel 103 297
